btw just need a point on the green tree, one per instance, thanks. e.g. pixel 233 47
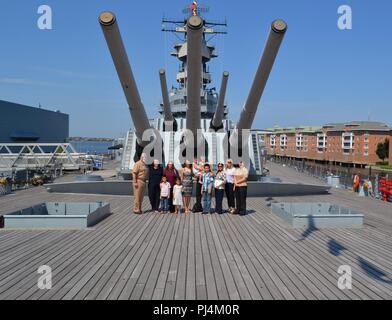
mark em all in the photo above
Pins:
pixel 383 150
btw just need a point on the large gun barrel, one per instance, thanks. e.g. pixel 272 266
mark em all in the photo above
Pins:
pixel 165 97
pixel 278 30
pixel 216 122
pixel 114 41
pixel 195 26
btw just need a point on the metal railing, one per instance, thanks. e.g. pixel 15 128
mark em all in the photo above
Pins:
pixel 344 175
pixel 38 155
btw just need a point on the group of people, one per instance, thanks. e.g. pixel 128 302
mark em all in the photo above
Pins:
pixel 171 189
pixel 366 185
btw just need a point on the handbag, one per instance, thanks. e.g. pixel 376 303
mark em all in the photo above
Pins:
pixel 218 183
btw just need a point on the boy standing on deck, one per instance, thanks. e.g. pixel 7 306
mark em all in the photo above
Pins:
pixel 207 182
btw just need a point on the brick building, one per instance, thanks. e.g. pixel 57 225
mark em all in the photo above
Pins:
pixel 390 149
pixel 346 143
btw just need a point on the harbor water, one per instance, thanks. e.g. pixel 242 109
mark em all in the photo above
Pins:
pixel 92 147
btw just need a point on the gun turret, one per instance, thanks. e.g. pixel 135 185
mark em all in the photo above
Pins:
pixel 168 116
pixel 114 41
pixel 216 123
pixel 278 30
pixel 195 26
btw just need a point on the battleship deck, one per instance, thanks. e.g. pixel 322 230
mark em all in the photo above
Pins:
pixel 193 256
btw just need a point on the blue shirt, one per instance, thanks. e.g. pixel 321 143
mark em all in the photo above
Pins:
pixel 207 181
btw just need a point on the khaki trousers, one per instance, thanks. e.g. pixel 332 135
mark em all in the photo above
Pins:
pixel 138 195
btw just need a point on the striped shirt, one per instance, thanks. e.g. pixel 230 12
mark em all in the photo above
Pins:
pixel 207 181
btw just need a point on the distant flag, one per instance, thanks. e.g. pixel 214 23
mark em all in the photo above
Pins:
pixel 194 8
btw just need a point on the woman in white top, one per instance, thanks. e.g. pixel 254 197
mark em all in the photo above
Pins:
pixel 229 186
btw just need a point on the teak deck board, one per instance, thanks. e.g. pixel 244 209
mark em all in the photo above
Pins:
pixel 194 256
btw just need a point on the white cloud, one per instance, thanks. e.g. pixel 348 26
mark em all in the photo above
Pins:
pixel 69 73
pixel 28 82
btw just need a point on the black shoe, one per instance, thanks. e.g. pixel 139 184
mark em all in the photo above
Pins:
pixel 204 212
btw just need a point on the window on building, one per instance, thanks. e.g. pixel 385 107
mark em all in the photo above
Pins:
pixel 366 137
pixel 348 139
pixel 321 142
pixel 273 141
pixel 283 141
pixel 299 141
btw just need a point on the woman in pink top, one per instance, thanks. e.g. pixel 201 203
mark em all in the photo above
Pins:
pixel 171 174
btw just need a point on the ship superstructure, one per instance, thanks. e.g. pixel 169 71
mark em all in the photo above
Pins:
pixel 178 95
pixel 193 104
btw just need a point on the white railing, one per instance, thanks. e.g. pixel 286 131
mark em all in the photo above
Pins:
pixel 39 155
pixel 127 152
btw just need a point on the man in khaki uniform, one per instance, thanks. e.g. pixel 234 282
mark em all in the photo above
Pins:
pixel 140 175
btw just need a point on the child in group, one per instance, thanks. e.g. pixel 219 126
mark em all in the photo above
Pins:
pixel 165 194
pixel 207 182
pixel 177 196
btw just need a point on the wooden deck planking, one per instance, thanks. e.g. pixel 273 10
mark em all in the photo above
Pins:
pixel 73 249
pixel 307 248
pixel 75 257
pixel 200 269
pixel 158 292
pixel 190 293
pixel 240 266
pixel 148 283
pixel 196 256
pixel 170 285
pixel 312 272
pixel 319 248
pixel 285 275
pixel 139 243
pixel 213 278
pixel 220 260
pixel 180 290
pixel 352 261
pixel 261 282
pixel 142 271
pixel 114 286
pixel 100 269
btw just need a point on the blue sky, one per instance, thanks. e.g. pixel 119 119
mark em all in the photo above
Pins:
pixel 322 74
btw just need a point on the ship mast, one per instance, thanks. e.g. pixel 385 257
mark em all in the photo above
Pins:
pixel 180 96
pixel 180 27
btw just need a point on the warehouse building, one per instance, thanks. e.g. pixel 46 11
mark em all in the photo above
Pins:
pixel 21 124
